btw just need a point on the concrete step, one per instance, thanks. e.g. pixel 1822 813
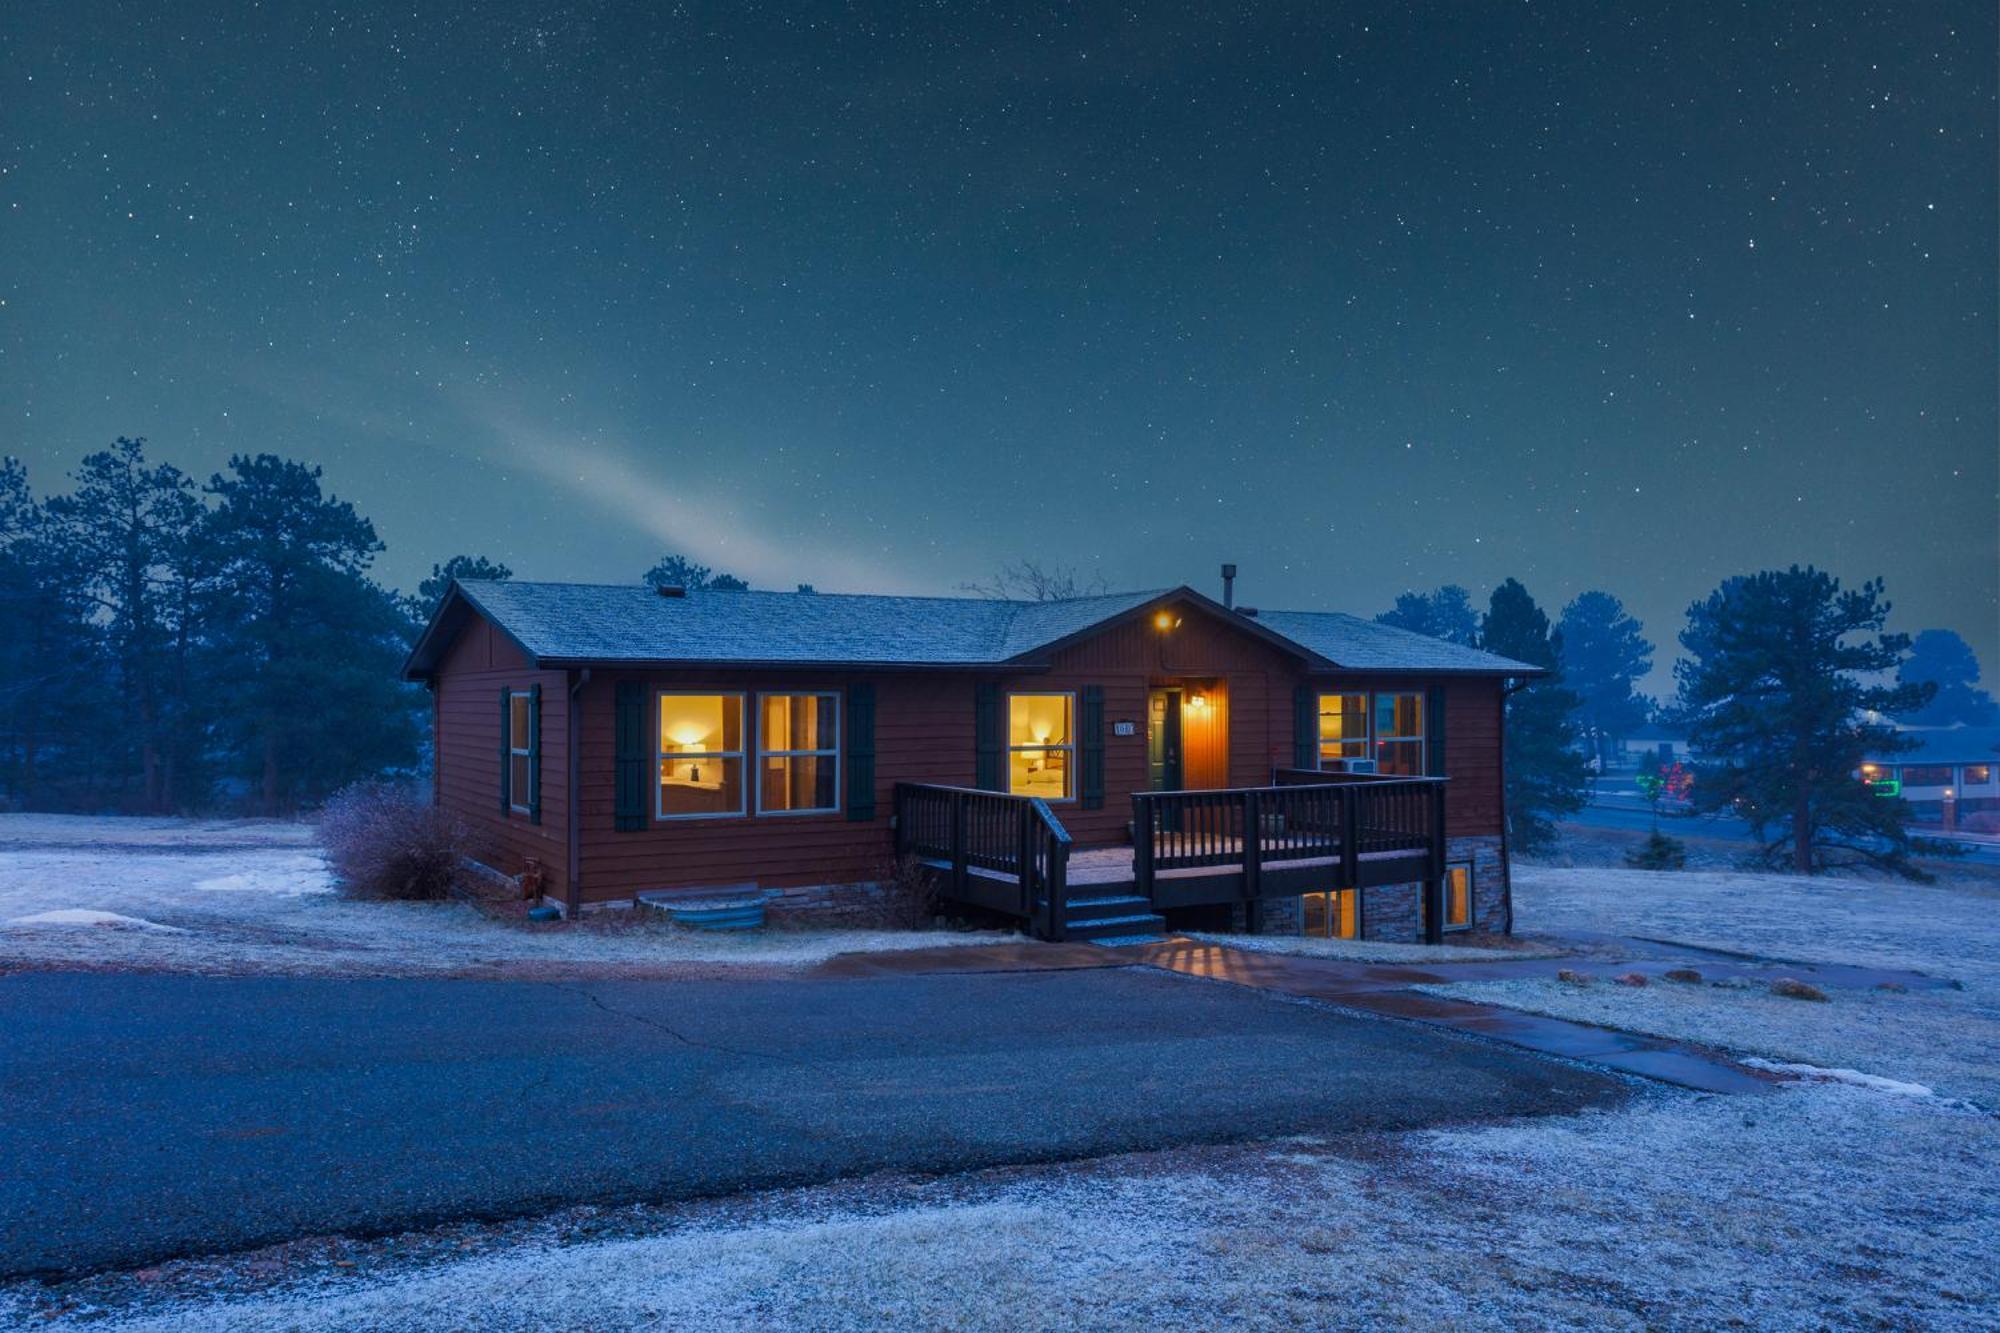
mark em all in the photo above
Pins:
pixel 1137 923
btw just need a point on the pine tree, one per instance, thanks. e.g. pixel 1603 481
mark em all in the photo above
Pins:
pixel 1545 772
pixel 1445 614
pixel 126 531
pixel 52 700
pixel 463 568
pixel 1948 662
pixel 309 664
pixel 677 571
pixel 1776 689
pixel 1604 656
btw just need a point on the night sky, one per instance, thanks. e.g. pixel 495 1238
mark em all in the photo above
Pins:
pixel 1363 297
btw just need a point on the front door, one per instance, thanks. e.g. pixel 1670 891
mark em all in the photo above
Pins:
pixel 1164 771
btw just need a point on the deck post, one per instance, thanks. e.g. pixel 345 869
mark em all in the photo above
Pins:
pixel 958 817
pixel 1253 862
pixel 1434 866
pixel 1057 887
pixel 1142 846
pixel 1350 837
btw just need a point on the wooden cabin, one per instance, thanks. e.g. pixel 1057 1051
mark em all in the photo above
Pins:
pixel 1100 766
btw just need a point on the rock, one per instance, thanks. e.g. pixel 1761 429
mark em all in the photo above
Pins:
pixel 1686 974
pixel 1573 977
pixel 1630 978
pixel 1893 987
pixel 1793 989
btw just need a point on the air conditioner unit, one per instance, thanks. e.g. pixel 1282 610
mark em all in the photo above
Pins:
pixel 1357 766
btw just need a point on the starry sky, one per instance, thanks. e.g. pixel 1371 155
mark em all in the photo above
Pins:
pixel 1363 297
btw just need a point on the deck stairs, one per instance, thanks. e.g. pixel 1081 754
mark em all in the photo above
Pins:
pixel 1112 919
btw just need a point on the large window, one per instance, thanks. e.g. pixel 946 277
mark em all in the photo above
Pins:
pixel 1387 728
pixel 1399 734
pixel 1335 915
pixel 701 755
pixel 798 752
pixel 1041 745
pixel 1926 775
pixel 521 775
pixel 1976 775
pixel 1343 727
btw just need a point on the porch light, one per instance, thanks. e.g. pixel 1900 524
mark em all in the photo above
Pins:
pixel 1164 621
pixel 1197 701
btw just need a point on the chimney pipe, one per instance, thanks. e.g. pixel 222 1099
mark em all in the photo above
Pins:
pixel 1229 585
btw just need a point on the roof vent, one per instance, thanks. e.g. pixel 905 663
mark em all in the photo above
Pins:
pixel 671 590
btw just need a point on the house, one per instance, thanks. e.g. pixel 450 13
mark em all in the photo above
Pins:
pixel 1951 778
pixel 1651 742
pixel 1092 766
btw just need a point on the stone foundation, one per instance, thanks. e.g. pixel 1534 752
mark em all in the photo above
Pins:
pixel 828 905
pixel 1391 912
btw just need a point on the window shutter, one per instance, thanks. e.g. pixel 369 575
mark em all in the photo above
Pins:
pixel 506 749
pixel 989 772
pixel 534 754
pixel 1305 727
pixel 859 738
pixel 1434 732
pixel 1091 726
pixel 629 760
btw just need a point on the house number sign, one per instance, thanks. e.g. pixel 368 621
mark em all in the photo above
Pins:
pixel 1124 728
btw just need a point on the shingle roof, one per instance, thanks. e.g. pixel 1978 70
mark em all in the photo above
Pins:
pixel 1366 645
pixel 1946 745
pixel 558 623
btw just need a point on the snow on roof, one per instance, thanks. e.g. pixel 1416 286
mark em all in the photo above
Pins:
pixel 612 623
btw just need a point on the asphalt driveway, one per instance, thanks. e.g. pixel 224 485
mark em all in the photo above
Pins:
pixel 147 1117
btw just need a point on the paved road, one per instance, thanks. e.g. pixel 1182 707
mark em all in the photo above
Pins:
pixel 1620 812
pixel 143 1117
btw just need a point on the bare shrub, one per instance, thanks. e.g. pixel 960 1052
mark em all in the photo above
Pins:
pixel 1793 989
pixel 1630 978
pixel 909 894
pixel 1686 975
pixel 387 840
pixel 1571 977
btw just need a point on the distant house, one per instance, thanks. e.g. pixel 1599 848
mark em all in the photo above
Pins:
pixel 1956 765
pixel 1099 766
pixel 1652 741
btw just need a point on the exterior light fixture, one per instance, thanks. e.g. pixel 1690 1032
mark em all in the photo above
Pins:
pixel 1162 621
pixel 1197 701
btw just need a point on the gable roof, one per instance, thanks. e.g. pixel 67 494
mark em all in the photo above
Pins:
pixel 580 624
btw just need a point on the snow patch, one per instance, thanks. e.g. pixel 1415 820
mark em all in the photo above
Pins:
pixel 88 916
pixel 1851 1076
pixel 287 875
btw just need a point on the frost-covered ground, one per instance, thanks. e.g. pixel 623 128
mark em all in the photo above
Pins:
pixel 1821 1206
pixel 255 896
pixel 1826 1204
pixel 1947 1038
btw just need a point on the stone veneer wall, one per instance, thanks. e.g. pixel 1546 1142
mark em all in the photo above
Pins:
pixel 1389 911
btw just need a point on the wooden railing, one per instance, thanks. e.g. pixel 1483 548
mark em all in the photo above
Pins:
pixel 962 831
pixel 1304 815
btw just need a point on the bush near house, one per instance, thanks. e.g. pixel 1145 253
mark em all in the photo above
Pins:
pixel 386 840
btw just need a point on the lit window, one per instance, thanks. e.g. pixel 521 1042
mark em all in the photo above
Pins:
pixel 1458 897
pixel 798 753
pixel 1335 915
pixel 1976 775
pixel 521 773
pixel 1040 746
pixel 701 755
pixel 1399 734
pixel 1343 728
pixel 1926 775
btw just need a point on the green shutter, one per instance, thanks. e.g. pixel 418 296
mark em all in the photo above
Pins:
pixel 989 772
pixel 506 749
pixel 535 754
pixel 859 738
pixel 1434 732
pixel 1091 727
pixel 629 761
pixel 1305 727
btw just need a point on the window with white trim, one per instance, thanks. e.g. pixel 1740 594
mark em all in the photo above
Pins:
pixel 798 753
pixel 1387 728
pixel 521 775
pixel 700 756
pixel 1041 745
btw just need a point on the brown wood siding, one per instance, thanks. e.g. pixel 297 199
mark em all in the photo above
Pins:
pixel 469 680
pixel 924 732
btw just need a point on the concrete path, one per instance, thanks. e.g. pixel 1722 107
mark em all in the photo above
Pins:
pixel 149 1116
pixel 1385 989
